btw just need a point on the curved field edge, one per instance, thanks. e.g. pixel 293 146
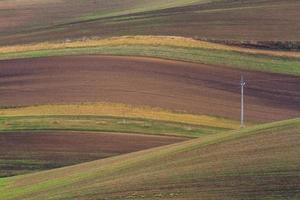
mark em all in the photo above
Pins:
pixel 120 110
pixel 177 48
pixel 100 124
pixel 93 16
pixel 181 160
pixel 139 7
pixel 175 41
pixel 24 152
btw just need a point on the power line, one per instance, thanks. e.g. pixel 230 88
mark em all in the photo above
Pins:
pixel 243 83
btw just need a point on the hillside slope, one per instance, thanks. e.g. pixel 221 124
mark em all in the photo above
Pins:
pixel 225 20
pixel 261 162
pixel 172 85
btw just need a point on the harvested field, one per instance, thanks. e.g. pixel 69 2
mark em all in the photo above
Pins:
pixel 24 152
pixel 178 86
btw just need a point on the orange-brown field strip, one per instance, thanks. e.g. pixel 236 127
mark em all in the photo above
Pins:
pixel 142 40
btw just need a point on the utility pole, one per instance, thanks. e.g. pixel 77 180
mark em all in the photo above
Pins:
pixel 243 83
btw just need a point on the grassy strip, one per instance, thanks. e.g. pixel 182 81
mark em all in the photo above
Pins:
pixel 144 165
pixel 205 56
pixel 177 48
pixel 103 124
pixel 120 110
pixel 139 7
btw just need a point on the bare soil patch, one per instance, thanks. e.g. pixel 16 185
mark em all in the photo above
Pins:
pixel 178 86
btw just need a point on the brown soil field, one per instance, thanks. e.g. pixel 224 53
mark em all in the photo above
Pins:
pixel 173 85
pixel 249 20
pixel 24 152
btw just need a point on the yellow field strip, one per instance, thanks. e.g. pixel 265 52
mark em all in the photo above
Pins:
pixel 120 110
pixel 141 40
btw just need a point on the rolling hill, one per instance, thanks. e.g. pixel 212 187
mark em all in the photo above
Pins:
pixel 166 47
pixel 260 162
pixel 23 152
pixel 44 137
pixel 139 99
pixel 273 23
pixel 173 85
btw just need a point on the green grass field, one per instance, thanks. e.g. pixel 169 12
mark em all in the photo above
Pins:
pixel 103 124
pixel 127 7
pixel 260 162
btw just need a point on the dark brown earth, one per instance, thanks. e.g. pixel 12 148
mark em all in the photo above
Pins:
pixel 227 20
pixel 178 86
pixel 24 152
